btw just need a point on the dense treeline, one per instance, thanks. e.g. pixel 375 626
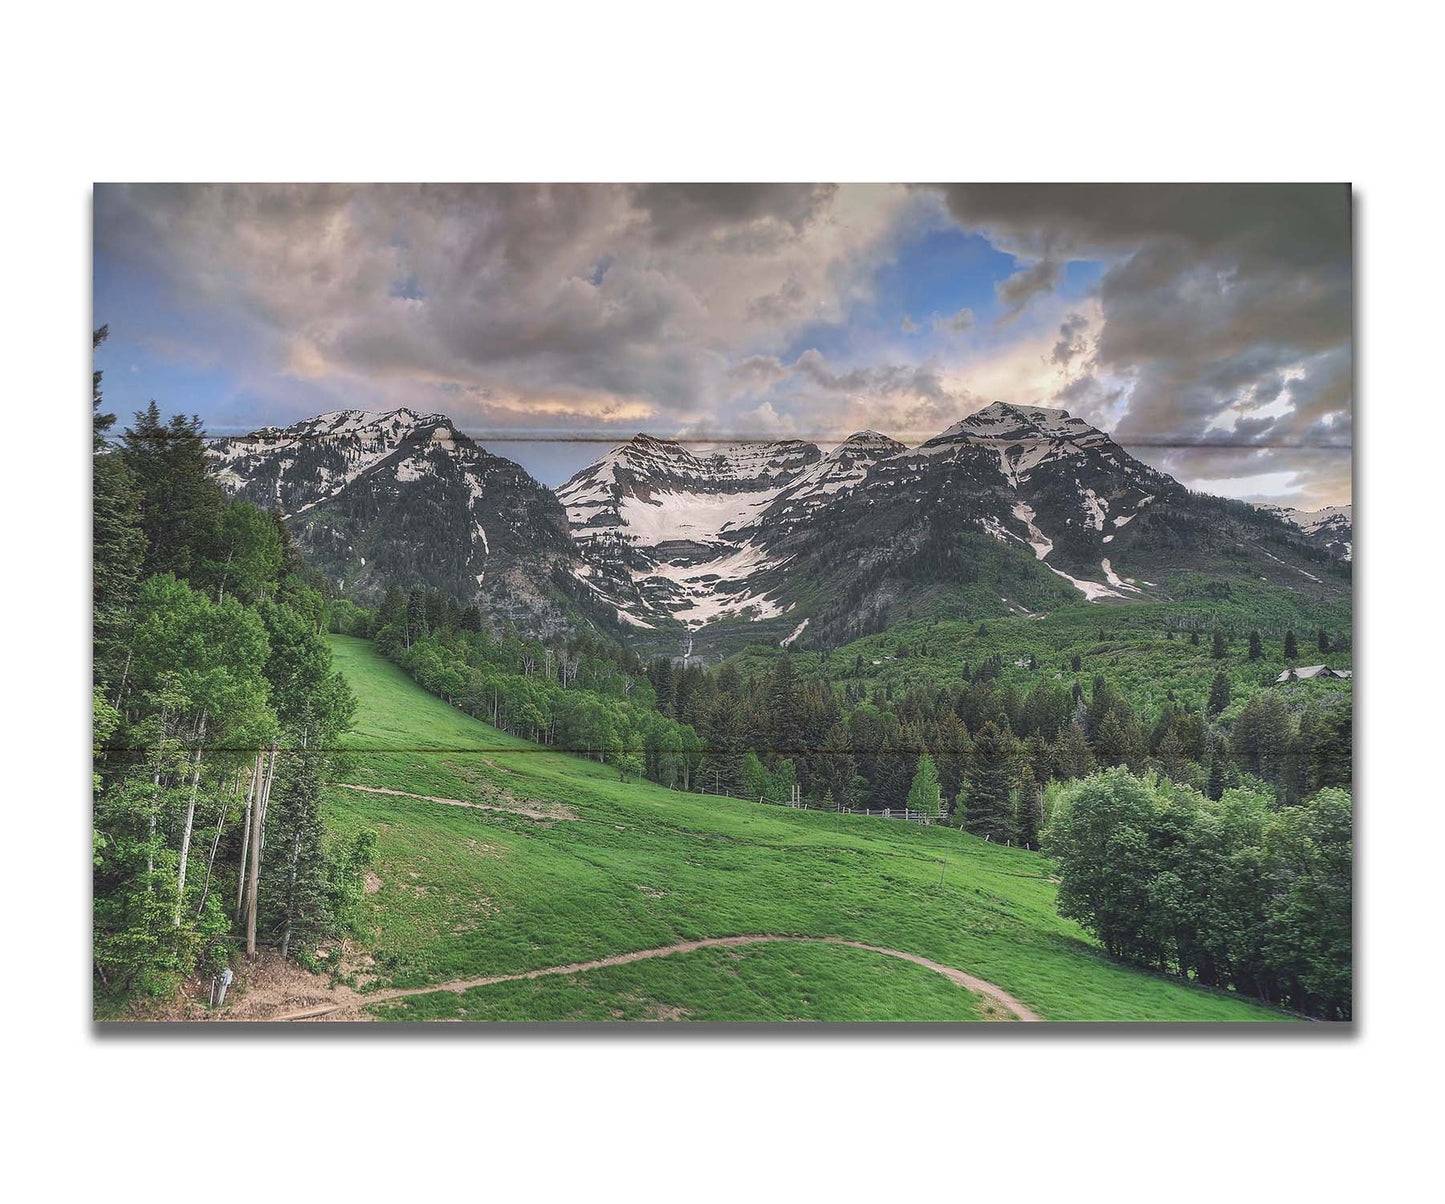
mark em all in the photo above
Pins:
pixel 1233 892
pixel 582 695
pixel 215 716
pixel 985 749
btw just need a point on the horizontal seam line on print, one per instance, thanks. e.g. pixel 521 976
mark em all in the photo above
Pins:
pixel 892 750
pixel 831 437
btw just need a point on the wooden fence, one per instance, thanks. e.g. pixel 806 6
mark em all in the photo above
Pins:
pixel 915 817
pixel 800 804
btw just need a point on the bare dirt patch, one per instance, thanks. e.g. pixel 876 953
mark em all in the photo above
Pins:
pixel 370 882
pixel 502 800
pixel 269 989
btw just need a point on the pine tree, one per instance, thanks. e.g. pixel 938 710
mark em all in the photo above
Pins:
pixel 924 795
pixel 1291 649
pixel 835 765
pixel 1110 741
pixel 1219 692
pixel 180 504
pixel 1194 638
pixel 1323 640
pixel 991 776
pixel 1256 649
pixel 118 542
pixel 1030 809
pixel 416 624
pixel 297 873
pixel 1262 736
pixel 100 423
pixel 952 749
pixel 1218 651
pixel 659 673
pixel 1172 761
pixel 1215 788
pixel 1070 755
pixel 786 704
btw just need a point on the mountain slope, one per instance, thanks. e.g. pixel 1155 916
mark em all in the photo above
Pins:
pixel 374 498
pixel 665 532
pixel 1332 528
pixel 1014 509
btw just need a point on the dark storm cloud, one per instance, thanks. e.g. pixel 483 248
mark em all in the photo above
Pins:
pixel 1016 291
pixel 1218 301
pixel 688 210
pixel 570 299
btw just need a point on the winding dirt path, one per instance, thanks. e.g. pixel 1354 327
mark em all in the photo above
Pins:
pixel 351 1001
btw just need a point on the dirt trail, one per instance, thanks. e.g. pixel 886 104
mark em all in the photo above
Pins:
pixel 546 811
pixel 350 1001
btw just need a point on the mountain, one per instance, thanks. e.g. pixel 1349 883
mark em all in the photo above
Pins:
pixel 376 497
pixel 664 530
pixel 663 501
pixel 1013 509
pixel 1333 528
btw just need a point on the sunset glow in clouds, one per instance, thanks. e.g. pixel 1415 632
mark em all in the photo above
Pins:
pixel 1206 327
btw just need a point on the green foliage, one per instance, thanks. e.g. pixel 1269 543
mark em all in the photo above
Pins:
pixel 1219 692
pixel 990 780
pixel 245 556
pixel 180 506
pixel 924 794
pixel 208 644
pixel 1228 892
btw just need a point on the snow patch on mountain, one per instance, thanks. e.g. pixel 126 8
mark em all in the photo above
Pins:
pixel 1091 590
pixel 1041 543
pixel 1115 580
pixel 701 517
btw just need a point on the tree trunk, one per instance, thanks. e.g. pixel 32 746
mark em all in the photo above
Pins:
pixel 210 865
pixel 151 825
pixel 246 836
pixel 190 820
pixel 124 673
pixel 291 895
pixel 258 820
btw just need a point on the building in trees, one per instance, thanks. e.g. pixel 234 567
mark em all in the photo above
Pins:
pixel 1312 673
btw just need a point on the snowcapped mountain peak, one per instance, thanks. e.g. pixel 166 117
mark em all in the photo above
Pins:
pixel 346 422
pixel 302 465
pixel 869 440
pixel 357 486
pixel 1004 421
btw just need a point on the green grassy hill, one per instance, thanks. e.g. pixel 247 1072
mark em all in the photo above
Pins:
pixel 573 865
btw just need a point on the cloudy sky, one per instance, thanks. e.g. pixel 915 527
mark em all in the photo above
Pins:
pixel 1206 327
